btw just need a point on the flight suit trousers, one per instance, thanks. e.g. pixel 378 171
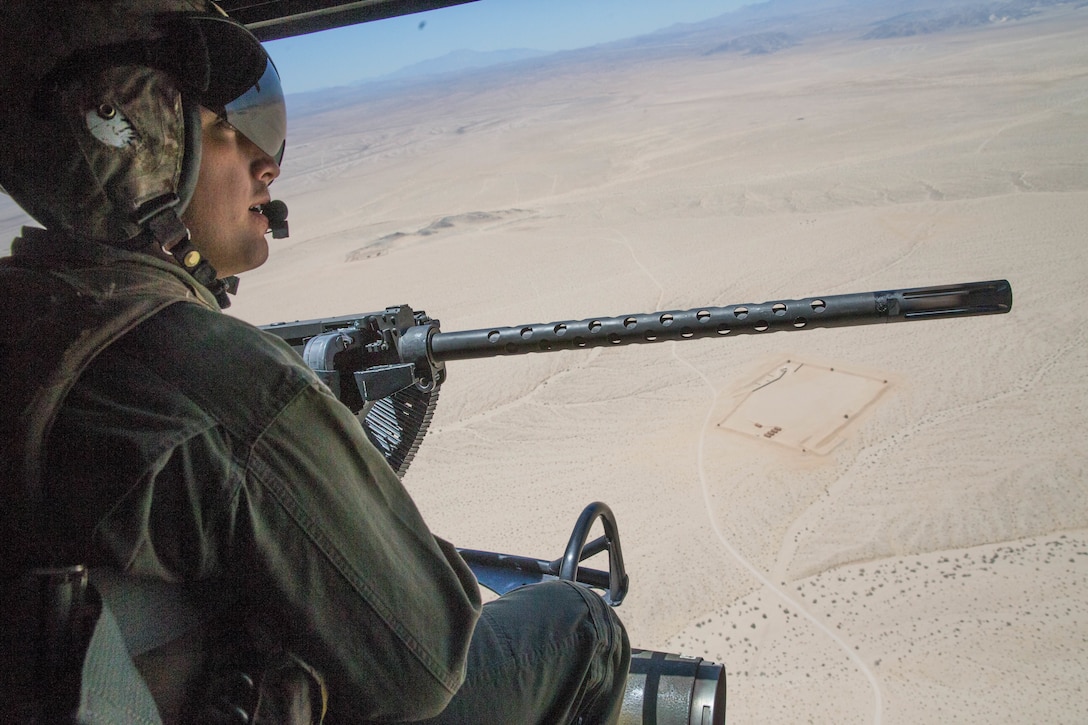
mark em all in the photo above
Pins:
pixel 548 653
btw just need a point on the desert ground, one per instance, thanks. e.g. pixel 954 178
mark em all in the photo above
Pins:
pixel 929 563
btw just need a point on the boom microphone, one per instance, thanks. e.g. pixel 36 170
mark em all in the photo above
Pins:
pixel 276 211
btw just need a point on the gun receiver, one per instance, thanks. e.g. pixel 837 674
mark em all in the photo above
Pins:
pixel 387 366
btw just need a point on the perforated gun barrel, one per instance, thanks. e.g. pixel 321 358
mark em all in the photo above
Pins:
pixel 918 303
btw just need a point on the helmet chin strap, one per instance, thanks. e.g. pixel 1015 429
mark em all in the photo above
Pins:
pixel 160 218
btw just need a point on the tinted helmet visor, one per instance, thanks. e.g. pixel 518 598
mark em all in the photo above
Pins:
pixel 260 113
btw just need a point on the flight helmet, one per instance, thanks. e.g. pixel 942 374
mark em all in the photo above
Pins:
pixel 100 109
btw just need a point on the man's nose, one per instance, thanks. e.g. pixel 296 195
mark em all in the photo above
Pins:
pixel 265 168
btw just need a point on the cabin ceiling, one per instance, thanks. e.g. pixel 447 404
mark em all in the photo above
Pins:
pixel 274 19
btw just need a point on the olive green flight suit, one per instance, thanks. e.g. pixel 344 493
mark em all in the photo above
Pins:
pixel 198 450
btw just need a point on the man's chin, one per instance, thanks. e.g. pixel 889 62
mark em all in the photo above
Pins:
pixel 240 266
pixel 259 257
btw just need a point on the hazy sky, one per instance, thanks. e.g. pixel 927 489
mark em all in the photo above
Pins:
pixel 370 50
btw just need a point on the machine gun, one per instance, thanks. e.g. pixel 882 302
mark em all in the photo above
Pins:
pixel 388 366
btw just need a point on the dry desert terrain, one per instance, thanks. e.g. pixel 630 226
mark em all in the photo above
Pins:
pixel 929 563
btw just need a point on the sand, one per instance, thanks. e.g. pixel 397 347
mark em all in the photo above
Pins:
pixel 928 562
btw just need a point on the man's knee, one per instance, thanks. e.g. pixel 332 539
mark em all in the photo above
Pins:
pixel 579 648
pixel 562 604
pixel 562 609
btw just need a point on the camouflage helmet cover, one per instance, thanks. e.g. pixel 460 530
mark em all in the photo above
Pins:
pixel 94 96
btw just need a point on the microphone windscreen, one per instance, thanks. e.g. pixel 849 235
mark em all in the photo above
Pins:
pixel 276 211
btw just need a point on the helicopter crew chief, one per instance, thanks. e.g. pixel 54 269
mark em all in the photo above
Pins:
pixel 259 558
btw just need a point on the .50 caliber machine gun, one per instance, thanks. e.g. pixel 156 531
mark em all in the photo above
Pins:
pixel 388 366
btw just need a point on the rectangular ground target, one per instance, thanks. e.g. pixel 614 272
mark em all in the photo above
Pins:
pixel 803 405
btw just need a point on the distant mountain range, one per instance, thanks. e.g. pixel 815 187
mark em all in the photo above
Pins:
pixel 461 60
pixel 763 28
pixel 757 44
pixel 935 20
pixel 780 24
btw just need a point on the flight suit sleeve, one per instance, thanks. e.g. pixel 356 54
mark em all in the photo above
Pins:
pixel 380 606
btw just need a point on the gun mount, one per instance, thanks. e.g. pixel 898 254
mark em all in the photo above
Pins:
pixel 387 366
